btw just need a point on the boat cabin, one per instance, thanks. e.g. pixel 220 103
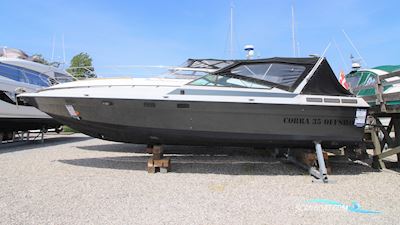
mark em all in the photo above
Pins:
pixel 287 74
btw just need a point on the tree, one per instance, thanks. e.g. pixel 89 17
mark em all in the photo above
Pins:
pixel 40 59
pixel 81 66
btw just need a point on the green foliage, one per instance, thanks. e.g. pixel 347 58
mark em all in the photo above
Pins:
pixel 67 129
pixel 81 66
pixel 40 59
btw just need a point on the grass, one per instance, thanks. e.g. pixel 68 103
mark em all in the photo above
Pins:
pixel 67 129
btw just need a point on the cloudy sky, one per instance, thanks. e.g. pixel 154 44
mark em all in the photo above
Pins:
pixel 168 32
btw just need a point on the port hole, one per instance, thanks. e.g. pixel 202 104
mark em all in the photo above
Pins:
pixel 149 104
pixel 107 103
pixel 183 106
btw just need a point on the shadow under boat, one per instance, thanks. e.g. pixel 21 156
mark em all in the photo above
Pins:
pixel 178 149
pixel 209 160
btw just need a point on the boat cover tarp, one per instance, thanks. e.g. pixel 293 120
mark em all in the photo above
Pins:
pixel 323 82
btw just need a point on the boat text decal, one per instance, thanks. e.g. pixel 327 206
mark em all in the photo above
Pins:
pixel 317 121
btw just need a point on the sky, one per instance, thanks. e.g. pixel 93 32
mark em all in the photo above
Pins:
pixel 167 32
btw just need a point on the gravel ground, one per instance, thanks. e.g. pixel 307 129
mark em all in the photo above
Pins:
pixel 74 179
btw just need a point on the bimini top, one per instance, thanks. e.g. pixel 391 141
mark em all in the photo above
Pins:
pixel 286 74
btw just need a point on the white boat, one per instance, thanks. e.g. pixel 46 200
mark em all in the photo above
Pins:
pixel 20 74
pixel 277 101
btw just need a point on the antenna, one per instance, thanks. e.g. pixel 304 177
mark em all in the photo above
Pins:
pixel 63 48
pixel 293 33
pixel 340 53
pixel 298 48
pixel 352 44
pixel 53 47
pixel 231 33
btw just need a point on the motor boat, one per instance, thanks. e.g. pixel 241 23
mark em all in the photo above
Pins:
pixel 19 73
pixel 362 82
pixel 282 102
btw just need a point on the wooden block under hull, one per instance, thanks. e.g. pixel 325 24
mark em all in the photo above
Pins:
pixel 310 159
pixel 159 165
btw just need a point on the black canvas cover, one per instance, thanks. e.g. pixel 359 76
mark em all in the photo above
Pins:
pixel 323 82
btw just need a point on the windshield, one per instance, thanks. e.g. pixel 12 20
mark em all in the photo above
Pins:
pixel 227 81
pixel 278 73
pixel 361 78
pixel 24 75
pixel 62 78
pixel 207 63
pixel 353 81
pixel 255 75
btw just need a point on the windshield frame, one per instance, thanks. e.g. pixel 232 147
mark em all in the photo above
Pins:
pixel 227 72
pixel 244 79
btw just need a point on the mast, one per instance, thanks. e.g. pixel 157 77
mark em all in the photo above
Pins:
pixel 298 48
pixel 53 47
pixel 340 53
pixel 63 48
pixel 231 33
pixel 293 33
pixel 354 47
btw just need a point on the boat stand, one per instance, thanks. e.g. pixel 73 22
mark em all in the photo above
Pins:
pixel 323 174
pixel 157 162
pixel 392 143
pixel 307 160
pixel 21 136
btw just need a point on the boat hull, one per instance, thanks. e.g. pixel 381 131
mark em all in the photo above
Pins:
pixel 25 124
pixel 23 118
pixel 205 123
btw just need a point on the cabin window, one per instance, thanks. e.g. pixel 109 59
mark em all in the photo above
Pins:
pixel 37 79
pixel 62 78
pixel 208 80
pixel 353 81
pixel 24 75
pixel 278 73
pixel 12 73
pixel 370 80
pixel 227 81
pixel 361 78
